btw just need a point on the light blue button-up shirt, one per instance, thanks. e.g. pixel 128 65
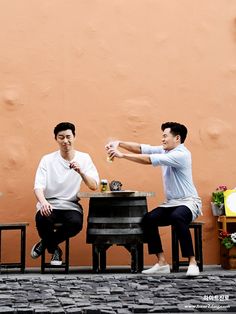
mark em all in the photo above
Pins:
pixel 177 176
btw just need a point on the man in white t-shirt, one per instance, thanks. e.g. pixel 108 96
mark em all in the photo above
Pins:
pixel 57 182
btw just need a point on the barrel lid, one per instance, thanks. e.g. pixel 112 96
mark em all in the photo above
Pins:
pixel 128 193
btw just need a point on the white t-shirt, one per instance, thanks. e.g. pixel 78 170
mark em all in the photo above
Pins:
pixel 60 183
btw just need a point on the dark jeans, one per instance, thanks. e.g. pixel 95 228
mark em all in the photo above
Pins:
pixel 180 217
pixel 72 222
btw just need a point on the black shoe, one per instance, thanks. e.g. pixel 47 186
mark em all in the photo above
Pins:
pixel 37 250
pixel 56 257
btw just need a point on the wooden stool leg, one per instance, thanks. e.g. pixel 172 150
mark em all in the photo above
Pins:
pixel 198 246
pixel 200 249
pixel 95 256
pixel 140 257
pixel 175 250
pixel 67 254
pixel 23 240
pixel 103 259
pixel 134 258
pixel 1 249
pixel 43 262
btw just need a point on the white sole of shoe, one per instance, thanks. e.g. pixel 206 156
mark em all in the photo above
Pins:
pixel 157 272
pixel 56 263
pixel 192 275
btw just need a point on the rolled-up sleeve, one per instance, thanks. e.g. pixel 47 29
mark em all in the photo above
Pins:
pixel 173 159
pixel 148 149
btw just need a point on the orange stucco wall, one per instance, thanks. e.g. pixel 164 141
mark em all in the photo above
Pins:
pixel 115 68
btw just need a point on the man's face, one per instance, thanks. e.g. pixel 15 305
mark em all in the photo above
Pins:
pixel 169 141
pixel 65 140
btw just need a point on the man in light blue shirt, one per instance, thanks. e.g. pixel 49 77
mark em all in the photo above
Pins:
pixel 182 204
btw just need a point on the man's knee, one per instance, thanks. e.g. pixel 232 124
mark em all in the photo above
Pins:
pixel 41 220
pixel 147 220
pixel 74 227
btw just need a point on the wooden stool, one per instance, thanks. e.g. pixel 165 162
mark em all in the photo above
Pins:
pixel 176 263
pixel 15 226
pixel 65 263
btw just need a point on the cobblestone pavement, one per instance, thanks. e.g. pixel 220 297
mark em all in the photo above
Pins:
pixel 118 293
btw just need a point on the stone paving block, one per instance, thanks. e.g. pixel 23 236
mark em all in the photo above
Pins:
pixel 74 311
pixel 214 278
pixel 57 310
pixel 157 309
pixel 97 297
pixel 53 305
pixel 146 301
pixel 103 290
pixel 85 287
pixel 104 309
pixel 46 311
pixel 91 310
pixel 171 309
pixel 66 301
pixel 142 287
pixel 112 298
pixel 160 301
pixel 115 305
pixel 6 309
pixel 139 308
pixel 123 311
pixel 6 297
pixel 117 290
pixel 83 303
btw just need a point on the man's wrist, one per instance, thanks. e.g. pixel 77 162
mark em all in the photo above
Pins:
pixel 83 176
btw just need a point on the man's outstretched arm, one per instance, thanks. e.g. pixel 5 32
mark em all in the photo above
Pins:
pixel 130 146
pixel 114 152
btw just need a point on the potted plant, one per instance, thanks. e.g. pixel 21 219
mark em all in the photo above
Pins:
pixel 228 250
pixel 217 204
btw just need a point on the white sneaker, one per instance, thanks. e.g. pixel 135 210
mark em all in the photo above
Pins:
pixel 193 270
pixel 157 269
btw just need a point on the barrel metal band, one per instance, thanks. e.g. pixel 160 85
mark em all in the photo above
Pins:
pixel 101 232
pixel 110 220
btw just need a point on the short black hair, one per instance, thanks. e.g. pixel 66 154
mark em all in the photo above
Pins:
pixel 63 126
pixel 176 129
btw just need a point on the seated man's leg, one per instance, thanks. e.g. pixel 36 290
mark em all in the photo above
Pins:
pixel 181 217
pixel 72 223
pixel 45 227
pixel 151 220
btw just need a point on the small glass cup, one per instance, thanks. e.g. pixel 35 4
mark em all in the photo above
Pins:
pixel 103 185
pixel 109 159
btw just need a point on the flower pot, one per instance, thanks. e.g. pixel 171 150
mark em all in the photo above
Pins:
pixel 217 210
pixel 228 257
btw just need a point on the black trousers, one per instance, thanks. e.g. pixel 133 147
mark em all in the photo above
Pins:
pixel 179 216
pixel 72 223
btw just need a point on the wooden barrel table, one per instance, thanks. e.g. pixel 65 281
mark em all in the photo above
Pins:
pixel 115 219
